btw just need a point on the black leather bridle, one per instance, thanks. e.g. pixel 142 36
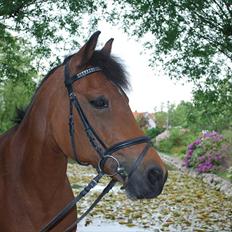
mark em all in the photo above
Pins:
pixel 105 153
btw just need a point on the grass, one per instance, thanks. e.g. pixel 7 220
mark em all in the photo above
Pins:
pixel 225 175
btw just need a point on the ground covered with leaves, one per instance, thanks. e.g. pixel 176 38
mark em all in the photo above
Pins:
pixel 186 204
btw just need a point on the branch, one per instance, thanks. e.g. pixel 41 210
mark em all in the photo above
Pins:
pixel 220 7
pixel 205 19
pixel 214 43
pixel 228 5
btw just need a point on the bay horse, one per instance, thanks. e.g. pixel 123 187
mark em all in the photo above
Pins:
pixel 34 153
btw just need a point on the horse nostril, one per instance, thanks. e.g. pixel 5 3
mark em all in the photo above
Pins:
pixel 155 175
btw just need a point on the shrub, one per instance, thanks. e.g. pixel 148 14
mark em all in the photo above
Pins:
pixel 206 153
pixel 177 141
pixel 153 132
pixel 229 173
pixel 228 135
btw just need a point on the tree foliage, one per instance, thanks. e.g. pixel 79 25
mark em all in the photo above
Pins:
pixel 16 80
pixel 195 35
pixel 51 26
pixel 161 119
pixel 178 115
pixel 215 104
pixel 199 115
pixel 13 96
pixel 15 58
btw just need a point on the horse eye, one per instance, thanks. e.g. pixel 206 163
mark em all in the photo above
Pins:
pixel 100 103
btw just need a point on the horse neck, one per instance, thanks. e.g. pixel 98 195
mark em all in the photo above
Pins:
pixel 41 165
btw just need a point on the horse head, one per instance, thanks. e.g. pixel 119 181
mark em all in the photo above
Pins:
pixel 103 131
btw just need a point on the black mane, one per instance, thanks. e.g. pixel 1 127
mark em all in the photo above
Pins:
pixel 111 67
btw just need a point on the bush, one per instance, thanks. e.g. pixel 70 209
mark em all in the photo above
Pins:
pixel 229 173
pixel 153 132
pixel 207 153
pixel 177 142
pixel 228 135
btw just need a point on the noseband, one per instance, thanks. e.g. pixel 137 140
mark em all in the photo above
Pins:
pixel 105 153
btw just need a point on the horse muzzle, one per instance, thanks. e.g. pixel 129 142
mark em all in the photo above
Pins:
pixel 146 184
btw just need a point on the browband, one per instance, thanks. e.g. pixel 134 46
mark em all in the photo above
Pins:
pixel 84 73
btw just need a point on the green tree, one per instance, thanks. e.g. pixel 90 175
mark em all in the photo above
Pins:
pixel 161 119
pixel 15 58
pixel 196 35
pixel 215 104
pixel 13 96
pixel 178 115
pixel 48 22
pixel 16 80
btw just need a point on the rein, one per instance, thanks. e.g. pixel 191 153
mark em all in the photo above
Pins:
pixel 100 148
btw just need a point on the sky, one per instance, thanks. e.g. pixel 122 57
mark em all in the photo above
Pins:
pixel 150 87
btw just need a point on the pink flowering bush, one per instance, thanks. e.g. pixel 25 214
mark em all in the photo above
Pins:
pixel 206 153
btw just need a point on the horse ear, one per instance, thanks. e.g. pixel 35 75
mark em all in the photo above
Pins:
pixel 108 46
pixel 82 57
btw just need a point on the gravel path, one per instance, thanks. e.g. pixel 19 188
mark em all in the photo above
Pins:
pixel 186 204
